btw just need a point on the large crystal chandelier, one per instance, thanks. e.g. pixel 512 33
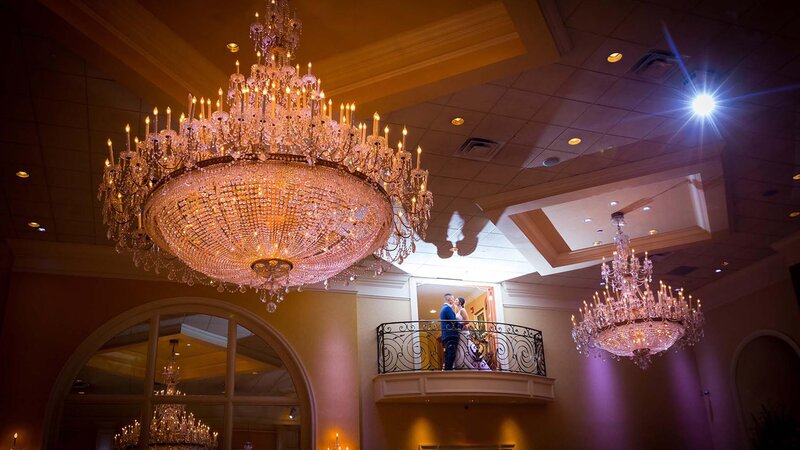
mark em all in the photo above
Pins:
pixel 170 427
pixel 629 319
pixel 265 187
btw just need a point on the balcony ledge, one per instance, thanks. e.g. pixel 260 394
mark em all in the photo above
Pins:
pixel 462 387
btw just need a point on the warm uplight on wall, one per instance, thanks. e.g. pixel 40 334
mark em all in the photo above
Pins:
pixel 233 47
pixel 23 174
pixel 337 445
pixel 457 121
pixel 574 141
pixel 614 57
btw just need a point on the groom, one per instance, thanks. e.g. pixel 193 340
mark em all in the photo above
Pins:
pixel 450 327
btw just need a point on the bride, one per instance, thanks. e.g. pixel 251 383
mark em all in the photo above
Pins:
pixel 467 356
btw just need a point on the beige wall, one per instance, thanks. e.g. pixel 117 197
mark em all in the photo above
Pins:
pixel 49 316
pixel 599 404
pixel 728 327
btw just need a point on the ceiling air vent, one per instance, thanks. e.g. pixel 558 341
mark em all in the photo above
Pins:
pixel 479 149
pixel 656 65
pixel 681 271
pixel 656 257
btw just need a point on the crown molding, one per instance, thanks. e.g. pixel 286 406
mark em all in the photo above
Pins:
pixel 746 281
pixel 543 296
pixel 134 36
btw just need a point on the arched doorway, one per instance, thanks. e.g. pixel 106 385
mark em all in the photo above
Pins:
pixel 237 375
pixel 766 369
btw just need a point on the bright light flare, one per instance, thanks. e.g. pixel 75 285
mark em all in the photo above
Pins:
pixel 703 104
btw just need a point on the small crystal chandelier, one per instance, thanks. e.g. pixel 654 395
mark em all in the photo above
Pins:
pixel 262 188
pixel 171 427
pixel 629 319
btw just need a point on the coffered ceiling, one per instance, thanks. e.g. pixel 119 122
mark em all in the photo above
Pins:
pixel 67 88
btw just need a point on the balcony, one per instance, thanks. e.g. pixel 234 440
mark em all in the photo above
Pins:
pixel 495 363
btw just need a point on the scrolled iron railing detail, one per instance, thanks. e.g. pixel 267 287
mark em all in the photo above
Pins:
pixel 416 346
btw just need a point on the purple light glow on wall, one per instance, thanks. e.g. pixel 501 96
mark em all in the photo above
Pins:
pixel 686 392
pixel 605 404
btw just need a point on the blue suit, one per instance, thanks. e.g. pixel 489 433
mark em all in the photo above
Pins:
pixel 450 328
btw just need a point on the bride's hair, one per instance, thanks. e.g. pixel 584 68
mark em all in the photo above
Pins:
pixel 461 301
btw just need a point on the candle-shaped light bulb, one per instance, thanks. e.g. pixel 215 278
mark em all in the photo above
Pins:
pixel 258 57
pixel 375 119
pixel 194 106
pixel 169 118
pixel 110 150
pixel 128 136
pixel 419 155
pixel 147 125
pixel 220 103
pixel 309 68
pixel 405 132
pixel 155 119
pixel 386 134
pixel 237 66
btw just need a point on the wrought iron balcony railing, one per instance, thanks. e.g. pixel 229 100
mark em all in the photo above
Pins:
pixel 417 346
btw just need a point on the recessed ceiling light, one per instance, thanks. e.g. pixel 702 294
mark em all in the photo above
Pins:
pixel 647 208
pixel 433 311
pixel 457 121
pixel 188 344
pixel 41 229
pixel 574 141
pixel 613 203
pixel 795 177
pixel 653 231
pixel 255 372
pixel 22 174
pixel 596 243
pixel 81 392
pixel 717 270
pixel 794 214
pixel 177 353
pixel 703 104
pixel 614 57
pixel 233 47
pixel 587 220
pixel 725 263
pixel 551 161
pixel 34 224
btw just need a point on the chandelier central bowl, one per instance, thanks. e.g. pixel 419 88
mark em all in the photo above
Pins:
pixel 259 222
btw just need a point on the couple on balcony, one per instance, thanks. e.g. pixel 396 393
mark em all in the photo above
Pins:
pixel 459 351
